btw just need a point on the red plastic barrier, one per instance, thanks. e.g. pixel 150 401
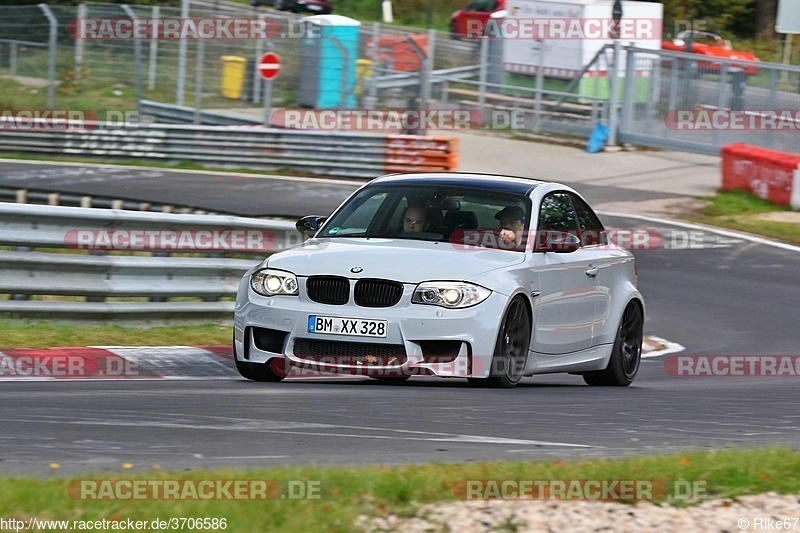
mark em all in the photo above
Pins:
pixel 769 174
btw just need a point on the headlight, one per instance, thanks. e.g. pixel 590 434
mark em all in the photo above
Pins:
pixel 450 294
pixel 273 282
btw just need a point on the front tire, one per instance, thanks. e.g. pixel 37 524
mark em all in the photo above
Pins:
pixel 626 356
pixel 511 349
pixel 273 370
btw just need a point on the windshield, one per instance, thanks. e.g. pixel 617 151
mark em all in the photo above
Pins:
pixel 435 213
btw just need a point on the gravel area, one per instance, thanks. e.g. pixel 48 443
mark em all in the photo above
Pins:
pixel 747 513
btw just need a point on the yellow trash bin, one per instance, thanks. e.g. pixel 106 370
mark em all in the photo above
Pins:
pixel 363 70
pixel 233 68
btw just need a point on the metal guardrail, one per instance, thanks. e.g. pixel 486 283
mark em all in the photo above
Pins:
pixel 318 152
pixel 410 79
pixel 175 114
pixel 150 282
pixel 40 197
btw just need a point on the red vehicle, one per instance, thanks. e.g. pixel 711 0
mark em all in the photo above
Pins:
pixel 470 22
pixel 710 45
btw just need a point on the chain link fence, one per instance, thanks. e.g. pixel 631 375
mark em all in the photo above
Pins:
pixel 647 97
pixel 702 105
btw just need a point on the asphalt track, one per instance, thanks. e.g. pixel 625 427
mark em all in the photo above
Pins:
pixel 230 192
pixel 712 293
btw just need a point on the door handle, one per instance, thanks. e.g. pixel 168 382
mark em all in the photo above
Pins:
pixel 592 271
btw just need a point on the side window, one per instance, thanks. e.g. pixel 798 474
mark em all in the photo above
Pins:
pixel 557 213
pixel 592 230
pixel 481 5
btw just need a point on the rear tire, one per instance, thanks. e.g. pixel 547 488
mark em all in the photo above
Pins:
pixel 511 349
pixel 626 355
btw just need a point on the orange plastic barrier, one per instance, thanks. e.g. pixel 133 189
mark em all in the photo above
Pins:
pixel 397 51
pixel 769 174
pixel 417 153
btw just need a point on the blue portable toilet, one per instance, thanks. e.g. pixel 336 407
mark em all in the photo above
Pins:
pixel 328 54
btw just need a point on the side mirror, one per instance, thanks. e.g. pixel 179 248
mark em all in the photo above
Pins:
pixel 560 242
pixel 309 224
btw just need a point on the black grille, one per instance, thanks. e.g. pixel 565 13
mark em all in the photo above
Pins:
pixel 349 353
pixel 377 292
pixel 328 289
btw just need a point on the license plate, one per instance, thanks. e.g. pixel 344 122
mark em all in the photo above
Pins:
pixel 312 7
pixel 358 327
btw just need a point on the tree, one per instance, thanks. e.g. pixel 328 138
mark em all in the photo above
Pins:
pixel 766 15
pixel 723 16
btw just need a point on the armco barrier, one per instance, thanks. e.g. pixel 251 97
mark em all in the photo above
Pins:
pixel 134 286
pixel 327 153
pixel 769 174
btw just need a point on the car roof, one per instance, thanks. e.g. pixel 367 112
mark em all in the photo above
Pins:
pixel 496 182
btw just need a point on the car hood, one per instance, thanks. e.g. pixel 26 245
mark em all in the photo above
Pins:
pixel 408 261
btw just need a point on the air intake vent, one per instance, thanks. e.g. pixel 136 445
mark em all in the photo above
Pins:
pixel 350 353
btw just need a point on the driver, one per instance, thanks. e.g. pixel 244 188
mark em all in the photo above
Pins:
pixel 512 224
pixel 415 219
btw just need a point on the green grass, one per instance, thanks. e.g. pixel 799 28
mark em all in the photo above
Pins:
pixel 740 210
pixel 347 492
pixel 14 95
pixel 43 334
pixel 732 203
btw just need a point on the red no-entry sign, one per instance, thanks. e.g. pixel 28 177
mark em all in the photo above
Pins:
pixel 269 66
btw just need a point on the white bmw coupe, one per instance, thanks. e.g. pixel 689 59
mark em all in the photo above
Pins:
pixel 454 275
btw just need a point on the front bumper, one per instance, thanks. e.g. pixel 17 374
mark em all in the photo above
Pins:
pixel 470 335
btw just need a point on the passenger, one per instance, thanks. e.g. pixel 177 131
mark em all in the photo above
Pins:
pixel 512 224
pixel 415 219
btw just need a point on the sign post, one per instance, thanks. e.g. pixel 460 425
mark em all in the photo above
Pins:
pixel 787 22
pixel 268 67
